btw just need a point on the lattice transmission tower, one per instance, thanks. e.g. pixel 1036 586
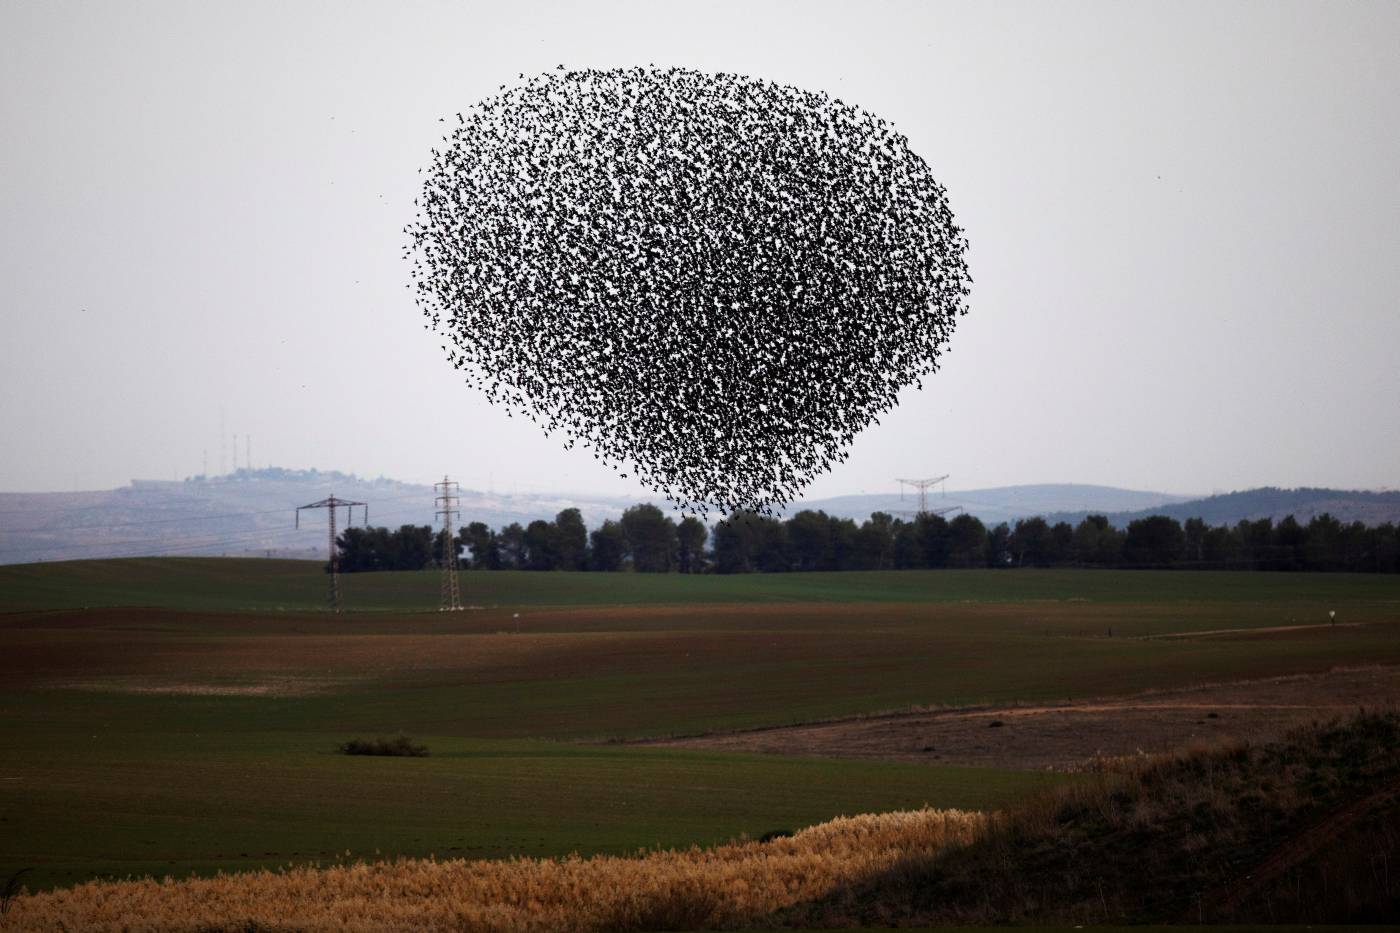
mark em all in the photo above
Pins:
pixel 446 504
pixel 330 505
pixel 923 486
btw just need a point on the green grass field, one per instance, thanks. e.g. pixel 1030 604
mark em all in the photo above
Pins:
pixel 190 725
pixel 118 803
pixel 288 585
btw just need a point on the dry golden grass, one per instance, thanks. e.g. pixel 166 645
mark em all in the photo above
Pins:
pixel 697 888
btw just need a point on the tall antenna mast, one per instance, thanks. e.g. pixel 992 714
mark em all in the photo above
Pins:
pixel 446 504
pixel 923 486
pixel 330 505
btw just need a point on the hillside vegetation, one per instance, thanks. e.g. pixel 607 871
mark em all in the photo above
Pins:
pixel 1266 502
pixel 1305 830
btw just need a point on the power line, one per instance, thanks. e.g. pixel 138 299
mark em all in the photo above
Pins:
pixel 451 598
pixel 922 485
pixel 330 504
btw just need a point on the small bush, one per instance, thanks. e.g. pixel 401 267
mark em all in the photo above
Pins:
pixel 773 834
pixel 400 747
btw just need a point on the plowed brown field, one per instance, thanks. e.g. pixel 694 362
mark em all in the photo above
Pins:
pixel 1070 735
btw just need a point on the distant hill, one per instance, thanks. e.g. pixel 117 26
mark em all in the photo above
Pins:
pixel 1001 503
pixel 247 513
pixel 1369 508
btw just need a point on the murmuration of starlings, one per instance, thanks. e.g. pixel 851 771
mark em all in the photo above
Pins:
pixel 712 281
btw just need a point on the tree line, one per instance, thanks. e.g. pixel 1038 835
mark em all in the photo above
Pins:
pixel 647 540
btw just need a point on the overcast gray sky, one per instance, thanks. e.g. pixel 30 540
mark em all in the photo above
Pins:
pixel 1184 223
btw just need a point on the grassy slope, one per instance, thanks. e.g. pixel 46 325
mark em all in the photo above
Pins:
pixel 96 778
pixel 1188 839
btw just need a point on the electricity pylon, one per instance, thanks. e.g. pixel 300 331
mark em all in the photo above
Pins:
pixel 451 600
pixel 923 486
pixel 330 505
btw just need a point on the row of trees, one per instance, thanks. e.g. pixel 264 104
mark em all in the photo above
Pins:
pixel 648 540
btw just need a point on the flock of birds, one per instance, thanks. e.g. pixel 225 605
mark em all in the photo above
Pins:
pixel 715 279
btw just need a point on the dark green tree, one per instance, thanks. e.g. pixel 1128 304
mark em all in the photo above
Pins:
pixel 1385 549
pixel 908 549
pixel 413 547
pixel 999 546
pixel 1155 541
pixel 360 549
pixel 873 544
pixel 745 542
pixel 1290 544
pixel 607 548
pixel 570 540
pixel 690 540
pixel 734 544
pixel 967 541
pixel 934 540
pixel 843 543
pixel 1061 544
pixel 1195 530
pixel 541 546
pixel 443 546
pixel 773 549
pixel 651 539
pixel 1324 544
pixel 1256 540
pixel 1097 543
pixel 510 544
pixel 809 537
pixel 1030 542
pixel 1352 545
pixel 481 541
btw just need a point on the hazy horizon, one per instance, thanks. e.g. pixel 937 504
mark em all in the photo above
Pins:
pixel 507 489
pixel 1181 218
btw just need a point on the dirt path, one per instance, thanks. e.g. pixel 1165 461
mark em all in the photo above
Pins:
pixel 1067 735
pixel 1270 630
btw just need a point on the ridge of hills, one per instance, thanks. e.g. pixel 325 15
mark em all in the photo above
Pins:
pixel 247 513
pixel 1000 503
pixel 1304 503
pixel 251 512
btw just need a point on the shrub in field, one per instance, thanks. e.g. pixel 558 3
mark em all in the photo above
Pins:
pixel 725 886
pixel 399 746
